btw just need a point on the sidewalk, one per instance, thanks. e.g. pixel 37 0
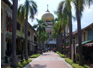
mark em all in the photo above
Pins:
pixel 48 60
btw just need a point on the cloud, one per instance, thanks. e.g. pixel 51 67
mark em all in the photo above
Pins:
pixel 39 15
pixel 88 9
pixel 74 25
pixel 86 19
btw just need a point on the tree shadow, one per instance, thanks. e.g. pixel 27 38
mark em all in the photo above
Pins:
pixel 45 54
pixel 36 66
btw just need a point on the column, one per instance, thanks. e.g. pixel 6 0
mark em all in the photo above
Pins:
pixel 3 36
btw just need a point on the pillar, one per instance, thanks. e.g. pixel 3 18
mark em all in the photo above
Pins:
pixel 3 36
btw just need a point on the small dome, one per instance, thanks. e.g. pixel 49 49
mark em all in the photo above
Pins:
pixel 47 16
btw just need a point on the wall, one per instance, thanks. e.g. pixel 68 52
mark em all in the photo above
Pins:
pixel 90 34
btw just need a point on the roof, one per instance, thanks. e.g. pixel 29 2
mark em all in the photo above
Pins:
pixel 8 3
pixel 32 27
pixel 87 27
pixel 48 16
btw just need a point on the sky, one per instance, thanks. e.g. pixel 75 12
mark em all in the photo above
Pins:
pixel 87 17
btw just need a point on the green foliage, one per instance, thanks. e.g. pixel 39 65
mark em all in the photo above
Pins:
pixel 12 67
pixel 69 61
pixel 77 62
pixel 77 57
pixel 21 65
pixel 9 67
pixel 42 35
pixel 86 66
pixel 24 63
pixel 17 67
pixel 78 66
pixel 75 65
pixel 67 44
pixel 61 55
pixel 57 52
pixel 35 56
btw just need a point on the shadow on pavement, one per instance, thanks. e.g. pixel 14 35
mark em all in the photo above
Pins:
pixel 38 66
pixel 45 54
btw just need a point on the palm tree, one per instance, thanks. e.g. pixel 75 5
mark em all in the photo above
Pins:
pixel 65 8
pixel 40 27
pixel 21 14
pixel 57 33
pixel 21 18
pixel 44 37
pixel 63 14
pixel 79 4
pixel 68 3
pixel 14 18
pixel 31 9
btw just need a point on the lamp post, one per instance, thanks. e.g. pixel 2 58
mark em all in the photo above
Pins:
pixel 74 58
pixel 22 50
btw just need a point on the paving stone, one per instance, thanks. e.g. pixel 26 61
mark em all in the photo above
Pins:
pixel 48 60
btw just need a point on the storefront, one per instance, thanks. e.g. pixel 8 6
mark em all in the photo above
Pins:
pixel 88 52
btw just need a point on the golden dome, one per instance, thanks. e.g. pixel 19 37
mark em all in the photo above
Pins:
pixel 48 16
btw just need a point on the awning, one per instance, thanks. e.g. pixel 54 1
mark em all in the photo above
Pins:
pixel 67 47
pixel 89 44
pixel 85 42
pixel 32 42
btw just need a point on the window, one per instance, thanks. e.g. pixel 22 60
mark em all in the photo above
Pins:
pixel 18 26
pixel 28 33
pixel 35 39
pixel 8 22
pixel 84 36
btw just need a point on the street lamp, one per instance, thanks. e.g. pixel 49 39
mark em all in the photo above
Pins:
pixel 74 58
pixel 22 50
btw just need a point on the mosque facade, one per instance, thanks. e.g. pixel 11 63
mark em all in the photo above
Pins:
pixel 48 17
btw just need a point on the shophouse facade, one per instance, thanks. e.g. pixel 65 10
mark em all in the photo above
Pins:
pixel 6 33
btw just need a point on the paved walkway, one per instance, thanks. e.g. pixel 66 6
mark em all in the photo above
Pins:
pixel 48 60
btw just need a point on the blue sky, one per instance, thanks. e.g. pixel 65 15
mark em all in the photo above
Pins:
pixel 87 17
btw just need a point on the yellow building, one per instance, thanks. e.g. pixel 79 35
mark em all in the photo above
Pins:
pixel 6 34
pixel 6 18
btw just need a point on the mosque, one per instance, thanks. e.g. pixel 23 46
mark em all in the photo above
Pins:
pixel 48 17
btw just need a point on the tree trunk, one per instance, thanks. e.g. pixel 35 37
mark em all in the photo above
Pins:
pixel 70 31
pixel 78 14
pixel 57 43
pixel 61 42
pixel 64 40
pixel 14 18
pixel 26 33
